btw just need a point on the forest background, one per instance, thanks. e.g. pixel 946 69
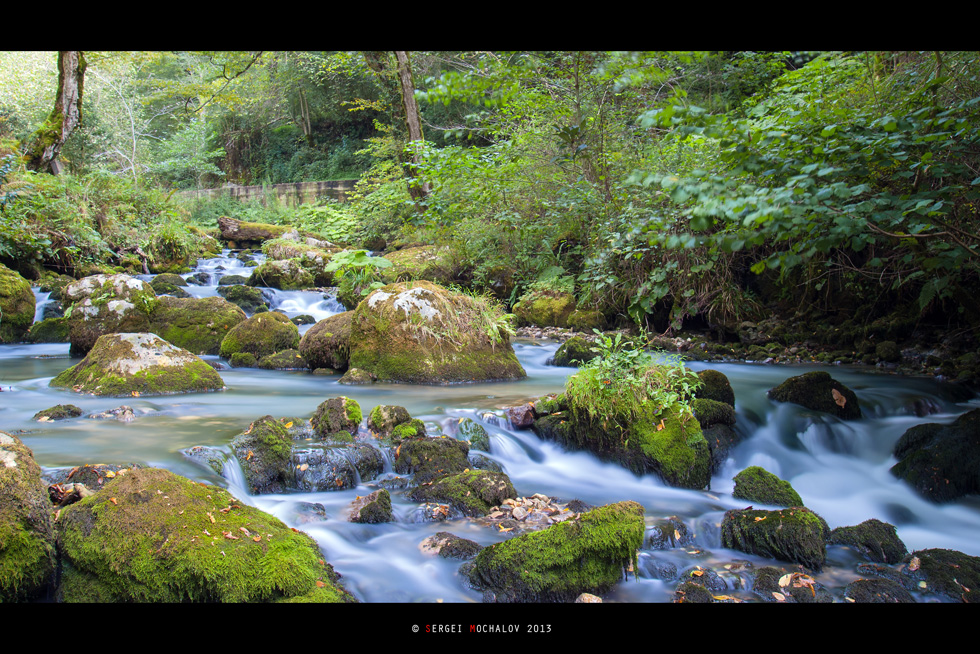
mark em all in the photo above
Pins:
pixel 834 191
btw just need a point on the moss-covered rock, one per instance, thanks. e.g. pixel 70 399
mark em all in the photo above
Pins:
pixel 169 283
pixel 264 451
pixel 287 275
pixel 692 593
pixel 59 412
pixel 775 585
pixel 243 360
pixel 283 360
pixel 574 352
pixel 473 433
pixel 49 330
pixel 888 351
pixel 338 417
pixel 820 392
pixel 941 462
pixel 107 304
pixel 757 484
pixel 795 534
pixel 261 335
pixel 195 324
pixel 430 458
pixel 248 234
pixel 715 386
pixel 875 540
pixel 356 376
pixel 138 364
pixel 472 493
pixel 152 536
pixel 557 564
pixel 383 419
pixel 17 306
pixel 545 308
pixel 423 262
pixel 326 344
pixel 711 412
pixel 27 540
pixel 877 591
pixel 421 333
pixel 248 298
pixel 372 508
pixel 338 464
pixel 450 546
pixel 948 573
pixel 582 320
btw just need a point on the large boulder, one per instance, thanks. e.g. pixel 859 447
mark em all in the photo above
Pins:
pixel 796 535
pixel 337 419
pixel 106 304
pixel 152 536
pixel 195 324
pixel 262 334
pixel 428 262
pixel 820 392
pixel 325 344
pixel 286 275
pixel 428 458
pixel 139 364
pixel 17 306
pixel 587 555
pixel 27 541
pixel 876 541
pixel 419 332
pixel 941 462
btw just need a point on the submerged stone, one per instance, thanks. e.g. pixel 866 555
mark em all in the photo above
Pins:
pixel 139 364
pixel 59 412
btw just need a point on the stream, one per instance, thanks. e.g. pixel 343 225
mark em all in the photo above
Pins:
pixel 840 469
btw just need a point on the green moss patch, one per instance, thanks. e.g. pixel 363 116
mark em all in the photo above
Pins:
pixel 588 555
pixel 195 324
pixel 152 536
pixel 757 484
pixel 17 306
pixel 795 534
pixel 261 335
pixel 473 492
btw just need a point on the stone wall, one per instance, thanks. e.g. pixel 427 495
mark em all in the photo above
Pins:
pixel 291 194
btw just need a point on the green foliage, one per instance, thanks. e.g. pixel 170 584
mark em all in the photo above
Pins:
pixel 357 271
pixel 616 385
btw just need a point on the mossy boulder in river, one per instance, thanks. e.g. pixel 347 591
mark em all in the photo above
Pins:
pixel 796 535
pixel 261 335
pixel 820 392
pixel 949 573
pixel 574 352
pixel 472 493
pixel 757 484
pixel 941 462
pixel 326 344
pixel 195 324
pixel 248 298
pixel 264 451
pixel 545 308
pixel 17 306
pixel 876 541
pixel 107 304
pixel 337 419
pixel 372 508
pixel 27 542
pixel 430 458
pixel 152 536
pixel 421 333
pixel 139 364
pixel 286 275
pixel 587 555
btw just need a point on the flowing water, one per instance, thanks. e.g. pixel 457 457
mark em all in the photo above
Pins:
pixel 840 469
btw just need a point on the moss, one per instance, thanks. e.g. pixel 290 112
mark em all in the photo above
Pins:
pixel 195 324
pixel 756 484
pixel 875 540
pixel 285 275
pixel 422 262
pixel 586 321
pixel 249 299
pixel 384 418
pixel 949 573
pixel 473 493
pixel 545 308
pixel 27 543
pixel 336 415
pixel 715 386
pixel 711 412
pixel 138 364
pixel 284 360
pixel 145 537
pixel 796 535
pixel 261 335
pixel 373 508
pixel 17 306
pixel 877 591
pixel 692 593
pixel 430 458
pixel 414 428
pixel 49 330
pixel 473 433
pixel 559 563
pixel 356 376
pixel 243 360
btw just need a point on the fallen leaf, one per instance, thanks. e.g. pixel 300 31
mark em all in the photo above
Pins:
pixel 838 398
pixel 289 424
pixel 785 580
pixel 257 538
pixel 211 516
pixel 779 596
pixel 113 500
pixel 229 535
pixel 914 563
pixel 320 584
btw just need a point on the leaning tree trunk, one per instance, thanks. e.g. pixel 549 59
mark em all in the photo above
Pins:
pixel 417 189
pixel 47 141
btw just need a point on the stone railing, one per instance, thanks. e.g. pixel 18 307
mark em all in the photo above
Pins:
pixel 291 194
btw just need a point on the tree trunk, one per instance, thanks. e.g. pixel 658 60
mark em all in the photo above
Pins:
pixel 47 141
pixel 413 121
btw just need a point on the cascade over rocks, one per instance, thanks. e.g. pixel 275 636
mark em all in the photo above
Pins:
pixel 418 332
pixel 139 364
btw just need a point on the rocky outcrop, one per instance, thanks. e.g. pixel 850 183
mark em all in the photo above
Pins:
pixel 757 484
pixel 138 364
